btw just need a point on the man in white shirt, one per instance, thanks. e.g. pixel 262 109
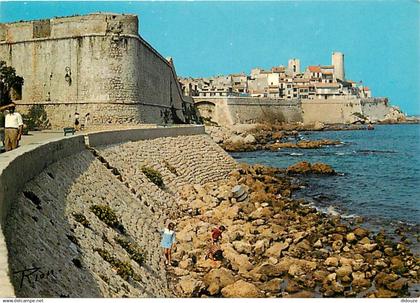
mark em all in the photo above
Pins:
pixel 13 128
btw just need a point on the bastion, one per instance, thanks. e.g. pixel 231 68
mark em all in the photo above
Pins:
pixel 96 64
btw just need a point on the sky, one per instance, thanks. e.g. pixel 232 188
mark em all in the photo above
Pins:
pixel 380 39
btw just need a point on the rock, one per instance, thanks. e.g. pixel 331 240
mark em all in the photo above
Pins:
pixel 235 139
pixel 190 286
pixel 320 275
pixel 262 212
pixel 301 294
pixel 351 237
pixel 385 279
pixel 322 168
pixel 318 125
pixel 292 286
pixel 337 245
pixel 241 289
pixel 398 285
pixel 358 275
pixel 276 249
pixel 273 285
pixel 397 263
pixel 361 283
pixel 242 247
pixel 345 270
pixel 361 232
pixel 377 254
pixel 385 293
pixel 180 272
pixel 249 139
pixel 299 168
pixel 296 270
pixel 207 263
pixel 184 263
pixel 318 244
pixel 389 251
pixel 331 277
pixel 365 240
pixel 299 236
pixel 260 246
pixel 217 279
pixel 238 261
pixel 337 287
pixel 267 269
pixel 331 261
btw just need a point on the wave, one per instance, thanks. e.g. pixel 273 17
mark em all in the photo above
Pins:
pixel 373 151
pixel 296 154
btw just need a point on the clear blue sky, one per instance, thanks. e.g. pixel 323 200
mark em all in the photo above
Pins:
pixel 380 39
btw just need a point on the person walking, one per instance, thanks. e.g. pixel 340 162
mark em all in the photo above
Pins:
pixel 168 242
pixel 13 128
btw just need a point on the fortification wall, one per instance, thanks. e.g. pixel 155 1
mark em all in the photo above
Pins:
pixel 375 108
pixel 93 64
pixel 339 110
pixel 231 110
pixel 44 185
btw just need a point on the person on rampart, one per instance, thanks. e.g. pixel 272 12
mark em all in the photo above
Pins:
pixel 168 242
pixel 13 127
pixel 76 121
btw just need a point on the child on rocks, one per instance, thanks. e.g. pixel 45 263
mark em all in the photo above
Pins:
pixel 167 242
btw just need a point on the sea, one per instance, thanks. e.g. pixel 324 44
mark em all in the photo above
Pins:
pixel 378 176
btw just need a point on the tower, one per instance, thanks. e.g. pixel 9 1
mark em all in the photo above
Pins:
pixel 337 60
pixel 294 66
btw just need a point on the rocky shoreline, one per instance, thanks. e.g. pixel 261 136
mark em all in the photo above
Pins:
pixel 263 137
pixel 276 246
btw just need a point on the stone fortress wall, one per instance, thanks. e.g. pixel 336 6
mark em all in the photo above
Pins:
pixel 40 198
pixel 95 64
pixel 227 111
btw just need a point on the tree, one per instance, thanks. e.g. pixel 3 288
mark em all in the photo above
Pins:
pixel 8 81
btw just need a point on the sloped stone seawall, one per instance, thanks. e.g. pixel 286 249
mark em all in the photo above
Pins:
pixel 60 246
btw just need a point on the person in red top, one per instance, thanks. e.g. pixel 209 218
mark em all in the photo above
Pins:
pixel 216 234
pixel 215 252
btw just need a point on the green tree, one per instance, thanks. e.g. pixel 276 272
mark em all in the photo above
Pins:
pixel 8 81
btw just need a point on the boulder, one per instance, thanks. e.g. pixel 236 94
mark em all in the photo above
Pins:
pixel 241 289
pixel 217 279
pixel 361 283
pixel 397 263
pixel 345 270
pixel 331 261
pixel 318 125
pixel 238 261
pixel 385 293
pixel 190 286
pixel 361 232
pixel 272 286
pixel 249 139
pixel 385 279
pixel 260 246
pixel 351 237
pixel 292 287
pixel 276 249
pixel 397 285
pixel 299 168
pixel 242 247
pixel 265 269
pixel 322 168
pixel 285 264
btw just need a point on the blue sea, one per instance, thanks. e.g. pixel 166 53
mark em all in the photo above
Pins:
pixel 379 174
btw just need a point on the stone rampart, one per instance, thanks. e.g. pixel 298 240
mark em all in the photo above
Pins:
pixel 232 110
pixel 96 64
pixel 226 111
pixel 45 186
